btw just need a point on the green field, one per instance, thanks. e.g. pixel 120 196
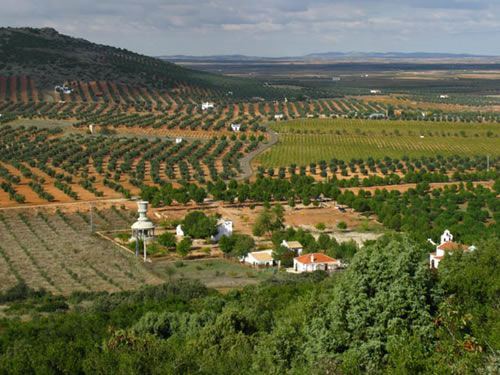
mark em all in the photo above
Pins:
pixel 305 141
pixel 214 273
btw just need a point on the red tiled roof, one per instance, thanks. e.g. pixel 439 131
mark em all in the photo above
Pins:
pixel 449 246
pixel 318 258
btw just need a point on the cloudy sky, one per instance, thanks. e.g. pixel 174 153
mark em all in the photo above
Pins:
pixel 269 27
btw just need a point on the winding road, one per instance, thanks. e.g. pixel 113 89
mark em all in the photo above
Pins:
pixel 247 159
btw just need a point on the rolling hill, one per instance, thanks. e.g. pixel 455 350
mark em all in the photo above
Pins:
pixel 52 58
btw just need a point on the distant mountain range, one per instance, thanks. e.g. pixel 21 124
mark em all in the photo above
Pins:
pixel 333 56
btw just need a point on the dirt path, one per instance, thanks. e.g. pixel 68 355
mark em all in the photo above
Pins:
pixel 51 205
pixel 246 160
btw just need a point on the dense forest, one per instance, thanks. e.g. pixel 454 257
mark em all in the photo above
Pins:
pixel 385 314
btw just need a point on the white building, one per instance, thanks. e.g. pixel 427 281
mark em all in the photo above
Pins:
pixel 178 140
pixel 92 128
pixel 443 96
pixel 278 116
pixel 62 89
pixel 293 245
pixel 235 127
pixel 314 262
pixel 224 228
pixel 259 258
pixel 447 246
pixel 206 106
pixel 375 91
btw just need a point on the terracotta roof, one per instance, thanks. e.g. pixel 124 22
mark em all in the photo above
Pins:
pixel 450 246
pixel 294 244
pixel 318 258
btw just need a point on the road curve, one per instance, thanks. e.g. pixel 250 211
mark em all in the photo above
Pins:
pixel 247 159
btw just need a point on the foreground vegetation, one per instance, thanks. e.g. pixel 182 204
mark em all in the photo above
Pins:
pixel 386 314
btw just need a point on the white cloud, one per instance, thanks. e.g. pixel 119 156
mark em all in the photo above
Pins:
pixel 266 27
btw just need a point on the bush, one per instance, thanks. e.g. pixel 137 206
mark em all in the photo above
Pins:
pixel 167 239
pixel 342 225
pixel 320 226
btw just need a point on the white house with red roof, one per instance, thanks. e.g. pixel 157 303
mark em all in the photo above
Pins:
pixel 314 262
pixel 447 246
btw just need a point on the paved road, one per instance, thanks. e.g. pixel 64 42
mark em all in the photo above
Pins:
pixel 247 159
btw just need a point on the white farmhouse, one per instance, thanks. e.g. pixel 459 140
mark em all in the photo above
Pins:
pixel 179 231
pixel 293 245
pixel 224 228
pixel 278 116
pixel 178 140
pixel 259 258
pixel 206 106
pixel 447 246
pixel 375 91
pixel 314 262
pixel 62 89
pixel 235 127
pixel 443 96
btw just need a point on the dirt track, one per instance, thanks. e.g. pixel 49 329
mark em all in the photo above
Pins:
pixel 246 160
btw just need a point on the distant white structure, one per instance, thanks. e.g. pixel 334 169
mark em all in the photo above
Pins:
pixel 377 115
pixel 224 228
pixel 443 96
pixel 179 231
pixel 335 79
pixel 446 246
pixel 206 106
pixel 235 127
pixel 92 128
pixel 178 140
pixel 375 91
pixel 143 228
pixel 63 89
pixel 314 262
pixel 294 246
pixel 278 116
pixel 259 258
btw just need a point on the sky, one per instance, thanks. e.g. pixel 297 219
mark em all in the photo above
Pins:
pixel 269 27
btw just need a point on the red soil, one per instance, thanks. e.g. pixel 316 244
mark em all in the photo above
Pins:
pixel 3 87
pixel 24 87
pixel 13 88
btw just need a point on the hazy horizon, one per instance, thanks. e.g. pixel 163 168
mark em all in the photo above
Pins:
pixel 273 28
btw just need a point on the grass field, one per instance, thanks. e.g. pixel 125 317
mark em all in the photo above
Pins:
pixel 216 273
pixel 302 142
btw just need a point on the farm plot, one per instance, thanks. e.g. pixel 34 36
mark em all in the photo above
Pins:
pixel 303 142
pixel 54 250
pixel 78 168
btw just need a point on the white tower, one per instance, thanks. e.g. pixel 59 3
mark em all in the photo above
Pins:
pixel 143 229
pixel 446 237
